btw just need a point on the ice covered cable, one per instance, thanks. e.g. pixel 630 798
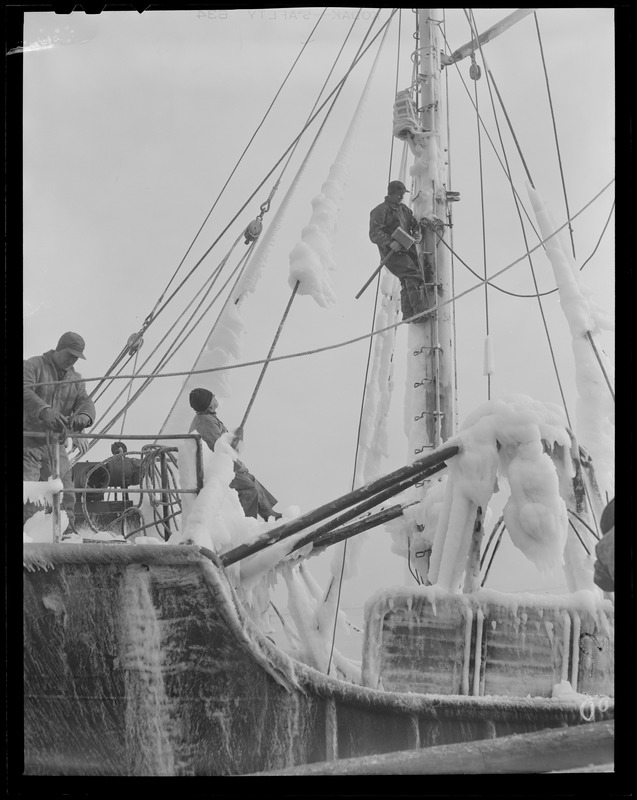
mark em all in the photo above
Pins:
pixel 595 405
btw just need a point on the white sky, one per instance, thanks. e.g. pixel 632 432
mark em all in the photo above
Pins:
pixel 131 129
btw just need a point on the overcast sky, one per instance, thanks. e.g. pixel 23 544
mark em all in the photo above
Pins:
pixel 132 124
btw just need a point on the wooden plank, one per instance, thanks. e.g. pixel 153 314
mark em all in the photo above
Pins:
pixel 544 751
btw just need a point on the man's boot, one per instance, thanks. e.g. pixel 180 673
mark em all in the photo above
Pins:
pixel 70 531
pixel 416 293
pixel 405 302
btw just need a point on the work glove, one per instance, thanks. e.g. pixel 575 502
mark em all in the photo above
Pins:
pixel 237 438
pixel 80 422
pixel 396 246
pixel 53 419
pixel 81 445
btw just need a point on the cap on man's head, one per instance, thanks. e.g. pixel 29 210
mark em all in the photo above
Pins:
pixel 200 399
pixel 397 186
pixel 72 342
pixel 118 447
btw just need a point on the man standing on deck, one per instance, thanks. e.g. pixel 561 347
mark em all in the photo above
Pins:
pixel 254 498
pixel 404 264
pixel 54 402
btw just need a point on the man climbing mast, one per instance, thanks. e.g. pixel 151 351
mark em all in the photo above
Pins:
pixel 404 263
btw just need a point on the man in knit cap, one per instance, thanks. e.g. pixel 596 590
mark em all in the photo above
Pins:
pixel 254 498
pixel 384 219
pixel 55 401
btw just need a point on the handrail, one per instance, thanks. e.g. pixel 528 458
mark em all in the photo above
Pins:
pixel 165 490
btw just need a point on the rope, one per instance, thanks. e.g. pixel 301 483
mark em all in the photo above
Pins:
pixel 236 166
pixel 482 212
pixel 517 294
pixel 369 353
pixel 299 171
pixel 338 87
pixel 526 244
pixel 168 356
pixel 130 389
pixel 356 339
pixel 589 336
pixel 557 143
pixel 269 356
pixel 211 280
pixel 266 205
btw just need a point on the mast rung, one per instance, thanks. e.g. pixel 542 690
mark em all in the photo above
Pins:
pixel 423 381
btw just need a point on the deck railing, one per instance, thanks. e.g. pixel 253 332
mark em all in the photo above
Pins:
pixel 156 465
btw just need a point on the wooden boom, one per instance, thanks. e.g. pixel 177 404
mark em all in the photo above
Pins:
pixel 437 459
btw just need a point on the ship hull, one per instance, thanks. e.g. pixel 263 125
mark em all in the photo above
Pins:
pixel 141 661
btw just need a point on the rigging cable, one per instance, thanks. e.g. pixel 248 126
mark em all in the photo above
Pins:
pixel 286 199
pixel 336 91
pixel 539 300
pixel 526 244
pixel 369 353
pixel 236 166
pixel 495 151
pixel 356 339
pixel 150 318
pixel 475 74
pixel 212 279
pixel 165 357
pixel 169 355
pixel 338 87
pixel 557 143
pixel 541 294
pixel 299 171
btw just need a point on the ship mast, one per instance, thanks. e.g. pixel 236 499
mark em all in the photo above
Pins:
pixel 431 203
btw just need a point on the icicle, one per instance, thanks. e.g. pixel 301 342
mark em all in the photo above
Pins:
pixel 477 662
pixel 468 615
pixel 311 259
pixel 566 644
pixel 595 405
pixel 577 624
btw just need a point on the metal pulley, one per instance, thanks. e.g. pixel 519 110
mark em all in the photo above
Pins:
pixel 133 343
pixel 253 231
pixel 475 73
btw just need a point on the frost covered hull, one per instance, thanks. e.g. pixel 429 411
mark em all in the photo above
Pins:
pixel 140 661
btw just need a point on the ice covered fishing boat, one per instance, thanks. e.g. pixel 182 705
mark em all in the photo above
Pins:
pixel 155 640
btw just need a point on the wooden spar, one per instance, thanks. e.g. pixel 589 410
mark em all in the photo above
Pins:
pixel 435 459
pixel 548 750
pixel 356 511
pixel 358 526
pixel 487 36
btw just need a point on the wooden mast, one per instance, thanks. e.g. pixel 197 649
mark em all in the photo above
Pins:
pixel 430 202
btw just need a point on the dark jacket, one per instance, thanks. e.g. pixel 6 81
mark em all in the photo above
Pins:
pixel 208 424
pixel 65 396
pixel 383 221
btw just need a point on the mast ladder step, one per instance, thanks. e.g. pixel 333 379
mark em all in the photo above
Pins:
pixel 423 382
